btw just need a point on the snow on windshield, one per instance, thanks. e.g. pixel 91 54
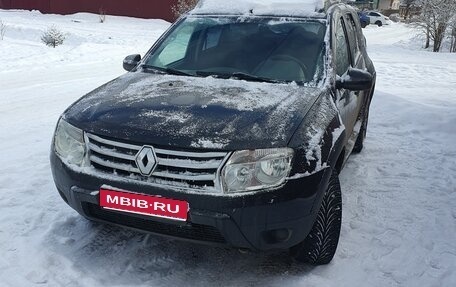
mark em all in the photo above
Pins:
pixel 260 7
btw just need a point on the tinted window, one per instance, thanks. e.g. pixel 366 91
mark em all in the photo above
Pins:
pixel 352 35
pixel 374 14
pixel 285 50
pixel 175 48
pixel 341 50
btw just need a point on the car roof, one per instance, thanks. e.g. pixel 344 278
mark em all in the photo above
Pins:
pixel 290 8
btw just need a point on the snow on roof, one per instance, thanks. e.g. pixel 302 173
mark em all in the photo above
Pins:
pixel 261 7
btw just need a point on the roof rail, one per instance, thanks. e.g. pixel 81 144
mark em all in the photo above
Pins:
pixel 246 6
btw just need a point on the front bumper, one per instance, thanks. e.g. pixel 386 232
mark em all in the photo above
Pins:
pixel 267 220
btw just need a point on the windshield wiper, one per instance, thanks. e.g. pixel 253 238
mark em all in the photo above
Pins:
pixel 213 74
pixel 237 75
pixel 167 70
pixel 248 77
pixel 173 71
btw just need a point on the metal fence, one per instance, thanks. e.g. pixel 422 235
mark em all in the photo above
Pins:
pixel 160 9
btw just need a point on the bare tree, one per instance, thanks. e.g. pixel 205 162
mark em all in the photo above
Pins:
pixel 53 37
pixel 183 6
pixel 428 36
pixel 453 37
pixel 408 6
pixel 2 29
pixel 435 18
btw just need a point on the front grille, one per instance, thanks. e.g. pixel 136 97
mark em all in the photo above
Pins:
pixel 190 170
pixel 189 231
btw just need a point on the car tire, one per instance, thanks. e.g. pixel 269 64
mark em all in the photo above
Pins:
pixel 320 244
pixel 379 23
pixel 363 24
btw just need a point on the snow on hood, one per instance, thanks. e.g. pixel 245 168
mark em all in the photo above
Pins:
pixel 303 8
pixel 189 111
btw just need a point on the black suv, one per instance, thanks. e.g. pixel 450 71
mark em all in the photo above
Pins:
pixel 231 130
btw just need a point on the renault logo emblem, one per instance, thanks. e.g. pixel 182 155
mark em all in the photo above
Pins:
pixel 146 161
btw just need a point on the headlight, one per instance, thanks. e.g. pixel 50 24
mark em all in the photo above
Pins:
pixel 249 170
pixel 69 143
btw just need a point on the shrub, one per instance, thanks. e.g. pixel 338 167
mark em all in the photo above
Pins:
pixel 102 15
pixel 53 37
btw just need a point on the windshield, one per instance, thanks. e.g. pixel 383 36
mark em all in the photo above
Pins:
pixel 254 48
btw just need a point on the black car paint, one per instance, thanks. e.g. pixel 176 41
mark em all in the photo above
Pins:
pixel 244 220
pixel 350 113
pixel 140 107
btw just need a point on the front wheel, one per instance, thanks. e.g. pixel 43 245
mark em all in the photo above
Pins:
pixel 379 23
pixel 320 244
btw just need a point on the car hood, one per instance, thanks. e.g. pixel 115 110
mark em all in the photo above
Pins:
pixel 167 110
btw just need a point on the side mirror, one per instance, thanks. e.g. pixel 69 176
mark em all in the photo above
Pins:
pixel 354 80
pixel 130 62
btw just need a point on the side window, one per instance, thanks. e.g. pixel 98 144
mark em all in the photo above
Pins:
pixel 341 52
pixel 352 32
pixel 374 14
pixel 175 47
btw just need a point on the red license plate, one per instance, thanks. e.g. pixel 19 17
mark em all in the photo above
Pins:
pixel 144 204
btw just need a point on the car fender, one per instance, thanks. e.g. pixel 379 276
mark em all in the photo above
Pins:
pixel 319 138
pixel 318 144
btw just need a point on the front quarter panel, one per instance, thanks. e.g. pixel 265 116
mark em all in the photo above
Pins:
pixel 319 139
pixel 318 144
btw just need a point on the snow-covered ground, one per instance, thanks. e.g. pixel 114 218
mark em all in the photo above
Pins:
pixel 399 222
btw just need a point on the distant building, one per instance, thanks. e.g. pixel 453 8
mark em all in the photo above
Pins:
pixel 389 4
pixel 381 5
pixel 414 9
pixel 396 4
